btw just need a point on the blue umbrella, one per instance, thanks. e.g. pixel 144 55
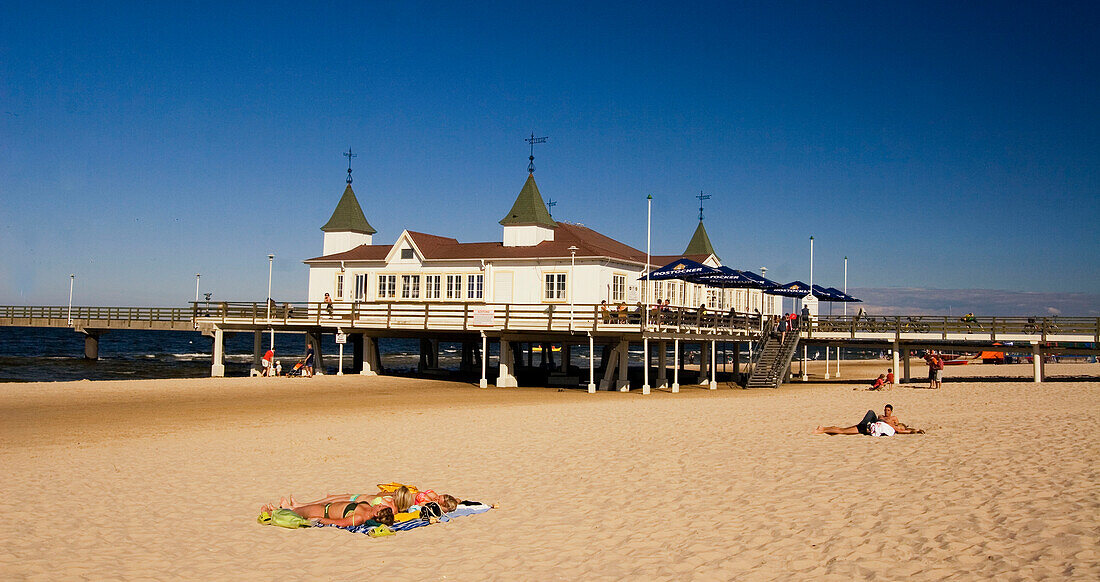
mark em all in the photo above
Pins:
pixel 679 269
pixel 727 277
pixel 827 294
pixel 765 282
pixel 792 289
pixel 843 296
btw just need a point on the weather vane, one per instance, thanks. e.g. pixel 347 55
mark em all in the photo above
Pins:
pixel 550 207
pixel 349 156
pixel 533 140
pixel 701 198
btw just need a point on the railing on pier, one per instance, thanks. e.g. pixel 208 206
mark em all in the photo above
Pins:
pixel 440 316
pixel 936 327
pixel 108 317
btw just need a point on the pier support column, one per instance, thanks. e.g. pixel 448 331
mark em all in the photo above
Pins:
pixel 713 365
pixel 827 350
pixel 257 353
pixel 217 370
pixel 676 366
pixel 662 364
pixel 805 356
pixel 623 383
pixel 1037 361
pixel 645 365
pixel 506 377
pixel 905 377
pixel 368 347
pixel 484 383
pixel 314 338
pixel 737 363
pixel 566 356
pixel 91 343
pixel 897 358
pixel 838 361
pixel 704 355
pixel 467 364
pixel 591 364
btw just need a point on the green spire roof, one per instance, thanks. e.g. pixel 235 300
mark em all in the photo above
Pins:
pixel 700 243
pixel 348 216
pixel 529 207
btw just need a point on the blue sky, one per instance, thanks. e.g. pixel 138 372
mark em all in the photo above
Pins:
pixel 937 146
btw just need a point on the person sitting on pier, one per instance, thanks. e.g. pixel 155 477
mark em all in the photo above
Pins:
pixel 623 313
pixel 328 304
pixel 872 425
pixel 969 319
pixel 605 312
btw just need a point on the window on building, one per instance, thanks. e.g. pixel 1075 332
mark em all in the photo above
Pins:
pixel 387 286
pixel 618 288
pixel 431 286
pixel 406 253
pixel 555 287
pixel 454 286
pixel 339 286
pixel 360 288
pixel 410 286
pixel 474 286
pixel 683 294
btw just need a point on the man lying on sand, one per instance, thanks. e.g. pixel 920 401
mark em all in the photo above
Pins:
pixel 873 425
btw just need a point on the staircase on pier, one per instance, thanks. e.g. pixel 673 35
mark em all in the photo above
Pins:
pixel 773 359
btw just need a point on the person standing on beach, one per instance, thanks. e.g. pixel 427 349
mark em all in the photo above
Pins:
pixel 309 361
pixel 930 359
pixel 939 371
pixel 268 359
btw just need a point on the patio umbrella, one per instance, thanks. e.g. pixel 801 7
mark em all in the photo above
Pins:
pixel 727 277
pixel 796 289
pixel 828 294
pixel 844 296
pixel 680 269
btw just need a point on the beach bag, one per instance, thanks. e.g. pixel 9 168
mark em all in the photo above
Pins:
pixel 283 518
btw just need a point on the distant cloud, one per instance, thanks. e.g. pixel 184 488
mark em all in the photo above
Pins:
pixel 988 302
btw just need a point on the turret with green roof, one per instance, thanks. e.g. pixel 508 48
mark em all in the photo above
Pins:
pixel 529 209
pixel 348 216
pixel 700 243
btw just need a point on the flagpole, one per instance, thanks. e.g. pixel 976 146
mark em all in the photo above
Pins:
pixel 645 295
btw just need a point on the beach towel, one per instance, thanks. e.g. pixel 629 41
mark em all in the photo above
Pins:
pixel 462 511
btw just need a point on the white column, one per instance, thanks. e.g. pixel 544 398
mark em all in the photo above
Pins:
pixel 676 365
pixel 484 360
pixel 713 367
pixel 645 365
pixel 827 350
pixel 838 359
pixel 1037 361
pixel 505 379
pixel 897 358
pixel 217 370
pixel 805 352
pixel 591 364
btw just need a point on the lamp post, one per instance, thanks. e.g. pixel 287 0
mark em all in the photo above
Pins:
pixel 645 294
pixel 72 279
pixel 572 266
pixel 763 310
pixel 270 264
pixel 845 313
pixel 197 275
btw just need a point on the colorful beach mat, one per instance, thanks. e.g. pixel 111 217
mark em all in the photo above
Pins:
pixel 373 531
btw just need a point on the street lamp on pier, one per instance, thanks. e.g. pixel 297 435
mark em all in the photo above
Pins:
pixel 72 279
pixel 572 266
pixel 270 264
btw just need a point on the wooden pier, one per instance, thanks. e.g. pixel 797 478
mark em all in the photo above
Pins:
pixel 568 325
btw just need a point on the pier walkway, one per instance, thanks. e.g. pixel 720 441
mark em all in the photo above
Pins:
pixel 472 323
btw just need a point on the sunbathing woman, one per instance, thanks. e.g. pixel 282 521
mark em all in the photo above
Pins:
pixel 342 514
pixel 398 501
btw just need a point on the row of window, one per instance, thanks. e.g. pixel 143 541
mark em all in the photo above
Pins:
pixel 453 287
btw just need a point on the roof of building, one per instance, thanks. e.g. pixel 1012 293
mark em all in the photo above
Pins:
pixel 348 216
pixel 700 243
pixel 589 243
pixel 529 208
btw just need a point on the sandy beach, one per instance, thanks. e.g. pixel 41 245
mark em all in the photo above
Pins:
pixel 155 480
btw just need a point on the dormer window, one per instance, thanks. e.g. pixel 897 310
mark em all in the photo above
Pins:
pixel 406 253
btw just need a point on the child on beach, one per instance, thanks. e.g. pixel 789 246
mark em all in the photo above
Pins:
pixel 890 377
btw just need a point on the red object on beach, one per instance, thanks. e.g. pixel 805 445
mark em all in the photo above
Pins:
pixel 955 362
